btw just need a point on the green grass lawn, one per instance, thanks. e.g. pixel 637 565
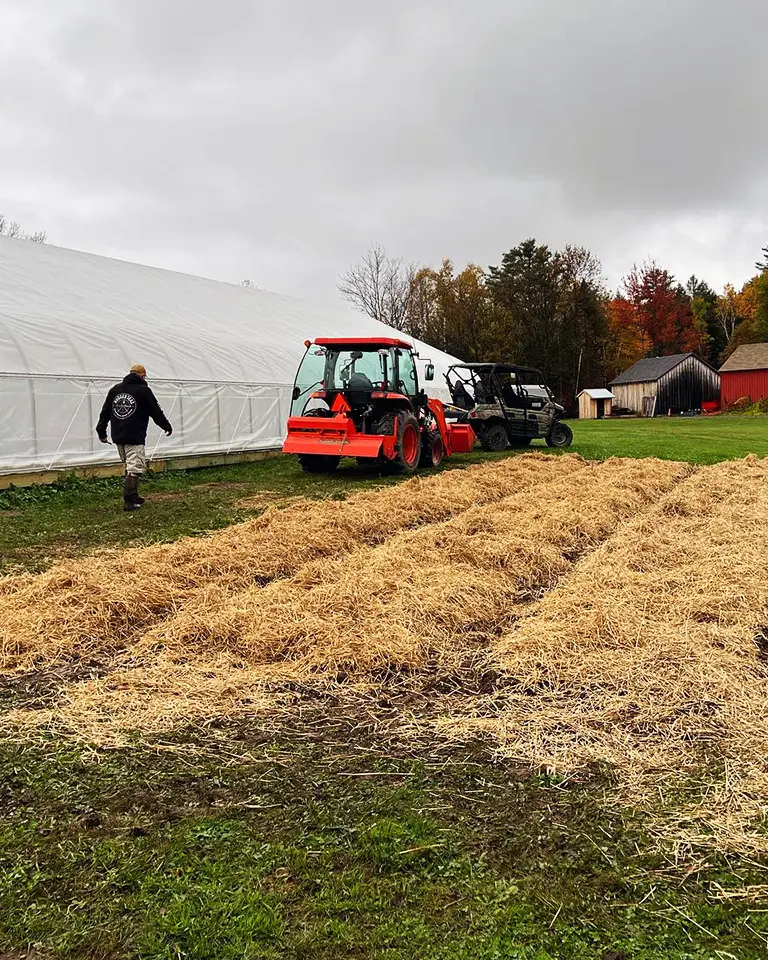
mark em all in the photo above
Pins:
pixel 697 439
pixel 326 843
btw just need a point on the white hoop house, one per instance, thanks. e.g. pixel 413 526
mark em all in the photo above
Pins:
pixel 221 358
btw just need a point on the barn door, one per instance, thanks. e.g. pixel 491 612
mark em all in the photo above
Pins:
pixel 649 406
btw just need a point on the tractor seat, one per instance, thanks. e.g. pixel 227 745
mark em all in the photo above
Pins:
pixel 359 388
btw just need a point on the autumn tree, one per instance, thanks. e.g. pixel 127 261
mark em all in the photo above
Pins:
pixel 380 286
pixel 661 310
pixel 454 311
pixel 751 304
pixel 703 301
pixel 627 342
pixel 727 313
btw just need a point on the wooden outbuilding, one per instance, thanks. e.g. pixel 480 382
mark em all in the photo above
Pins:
pixel 745 374
pixel 595 403
pixel 673 385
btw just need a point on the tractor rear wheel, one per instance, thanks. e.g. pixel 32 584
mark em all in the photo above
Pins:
pixel 560 435
pixel 408 442
pixel 494 437
pixel 432 450
pixel 318 463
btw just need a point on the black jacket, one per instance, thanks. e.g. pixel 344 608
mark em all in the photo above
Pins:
pixel 127 410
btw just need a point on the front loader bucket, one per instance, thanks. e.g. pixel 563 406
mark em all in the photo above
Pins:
pixel 462 437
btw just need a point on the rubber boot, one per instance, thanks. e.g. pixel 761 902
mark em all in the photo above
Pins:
pixel 136 498
pixel 129 493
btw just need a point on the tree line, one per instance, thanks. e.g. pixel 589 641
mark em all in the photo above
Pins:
pixel 13 229
pixel 551 309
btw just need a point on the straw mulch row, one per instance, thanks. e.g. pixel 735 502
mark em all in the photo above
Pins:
pixel 425 597
pixel 82 606
pixel 652 657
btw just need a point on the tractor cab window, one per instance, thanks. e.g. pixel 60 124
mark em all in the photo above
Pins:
pixel 309 378
pixel 408 381
pixel 360 370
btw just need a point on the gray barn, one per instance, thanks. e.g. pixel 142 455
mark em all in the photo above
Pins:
pixel 661 385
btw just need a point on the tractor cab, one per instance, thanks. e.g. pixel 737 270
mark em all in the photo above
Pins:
pixel 506 405
pixel 363 375
pixel 361 398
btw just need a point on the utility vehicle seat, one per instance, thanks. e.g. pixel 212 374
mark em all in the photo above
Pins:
pixel 461 396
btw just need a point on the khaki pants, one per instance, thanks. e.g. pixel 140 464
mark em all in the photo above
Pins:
pixel 134 457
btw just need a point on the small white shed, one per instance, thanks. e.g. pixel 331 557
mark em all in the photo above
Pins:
pixel 595 403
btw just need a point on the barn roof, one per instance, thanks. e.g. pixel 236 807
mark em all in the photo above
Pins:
pixel 650 369
pixel 752 356
pixel 598 393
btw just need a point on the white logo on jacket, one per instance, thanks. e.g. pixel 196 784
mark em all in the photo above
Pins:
pixel 124 406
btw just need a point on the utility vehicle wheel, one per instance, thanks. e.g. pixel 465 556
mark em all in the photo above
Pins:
pixel 432 450
pixel 494 437
pixel 318 463
pixel 560 435
pixel 408 443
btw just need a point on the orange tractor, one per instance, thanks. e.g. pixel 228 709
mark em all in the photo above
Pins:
pixel 360 397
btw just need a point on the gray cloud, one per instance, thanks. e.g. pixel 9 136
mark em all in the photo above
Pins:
pixel 275 139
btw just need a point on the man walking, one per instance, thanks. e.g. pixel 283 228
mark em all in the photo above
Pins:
pixel 127 410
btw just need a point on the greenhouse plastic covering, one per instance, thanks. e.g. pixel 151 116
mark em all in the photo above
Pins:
pixel 221 358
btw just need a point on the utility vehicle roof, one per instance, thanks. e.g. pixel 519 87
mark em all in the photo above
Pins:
pixel 503 367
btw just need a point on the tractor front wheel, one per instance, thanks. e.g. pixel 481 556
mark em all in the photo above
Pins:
pixel 494 437
pixel 432 450
pixel 560 435
pixel 318 463
pixel 407 443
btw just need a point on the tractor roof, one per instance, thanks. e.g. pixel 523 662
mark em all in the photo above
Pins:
pixel 369 342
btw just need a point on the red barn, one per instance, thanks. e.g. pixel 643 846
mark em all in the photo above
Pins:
pixel 745 374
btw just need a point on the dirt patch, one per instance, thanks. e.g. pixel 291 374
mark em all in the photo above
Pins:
pixel 198 488
pixel 3 515
pixel 267 498
pixel 223 486
pixel 36 689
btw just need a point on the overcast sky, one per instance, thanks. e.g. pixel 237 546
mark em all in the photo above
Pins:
pixel 275 139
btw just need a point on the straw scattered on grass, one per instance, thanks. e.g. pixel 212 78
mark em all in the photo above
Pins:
pixel 424 596
pixel 83 606
pixel 652 657
pixel 621 609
